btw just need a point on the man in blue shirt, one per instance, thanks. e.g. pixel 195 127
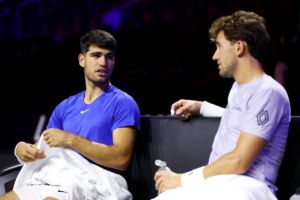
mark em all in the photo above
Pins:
pixel 99 123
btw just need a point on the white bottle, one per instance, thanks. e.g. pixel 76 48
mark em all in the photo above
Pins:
pixel 162 165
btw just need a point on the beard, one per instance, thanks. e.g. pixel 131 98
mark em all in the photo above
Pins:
pixel 99 81
pixel 227 71
pixel 225 74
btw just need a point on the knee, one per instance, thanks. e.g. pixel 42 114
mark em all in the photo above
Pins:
pixel 9 196
pixel 50 198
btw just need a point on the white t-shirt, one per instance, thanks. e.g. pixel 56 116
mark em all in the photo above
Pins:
pixel 260 107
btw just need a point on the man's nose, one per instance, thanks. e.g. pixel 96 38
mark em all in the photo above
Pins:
pixel 102 61
pixel 215 56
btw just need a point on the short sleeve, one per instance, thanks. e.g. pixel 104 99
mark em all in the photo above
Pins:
pixel 263 113
pixel 55 118
pixel 126 113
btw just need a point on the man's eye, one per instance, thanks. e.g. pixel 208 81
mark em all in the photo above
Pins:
pixel 110 57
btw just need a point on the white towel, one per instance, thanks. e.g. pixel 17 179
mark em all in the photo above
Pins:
pixel 80 178
pixel 225 187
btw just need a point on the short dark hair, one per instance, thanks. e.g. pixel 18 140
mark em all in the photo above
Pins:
pixel 246 26
pixel 99 38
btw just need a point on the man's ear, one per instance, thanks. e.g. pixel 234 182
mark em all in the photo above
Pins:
pixel 81 60
pixel 241 47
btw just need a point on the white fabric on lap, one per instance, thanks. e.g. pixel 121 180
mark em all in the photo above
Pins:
pixel 72 173
pixel 38 192
pixel 225 187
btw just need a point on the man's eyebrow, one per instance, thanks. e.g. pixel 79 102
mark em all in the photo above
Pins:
pixel 96 52
pixel 102 53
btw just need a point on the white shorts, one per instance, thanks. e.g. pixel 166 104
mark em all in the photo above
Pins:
pixel 39 192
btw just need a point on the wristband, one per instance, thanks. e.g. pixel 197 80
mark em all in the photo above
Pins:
pixel 192 178
pixel 210 110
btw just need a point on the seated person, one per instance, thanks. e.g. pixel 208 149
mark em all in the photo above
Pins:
pixel 98 124
pixel 250 142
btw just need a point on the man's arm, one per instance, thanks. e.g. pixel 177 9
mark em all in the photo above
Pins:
pixel 185 109
pixel 116 156
pixel 239 160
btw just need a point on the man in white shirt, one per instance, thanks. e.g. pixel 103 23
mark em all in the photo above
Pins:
pixel 250 142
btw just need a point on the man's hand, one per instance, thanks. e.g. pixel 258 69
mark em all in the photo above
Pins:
pixel 57 138
pixel 185 109
pixel 28 152
pixel 165 180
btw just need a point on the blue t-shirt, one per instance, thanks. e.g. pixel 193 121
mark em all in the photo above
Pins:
pixel 96 121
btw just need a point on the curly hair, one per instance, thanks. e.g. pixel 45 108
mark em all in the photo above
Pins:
pixel 245 26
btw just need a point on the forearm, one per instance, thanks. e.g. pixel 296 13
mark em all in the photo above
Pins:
pixel 106 155
pixel 116 156
pixel 230 163
pixel 239 160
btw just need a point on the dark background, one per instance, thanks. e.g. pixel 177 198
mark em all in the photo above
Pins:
pixel 164 52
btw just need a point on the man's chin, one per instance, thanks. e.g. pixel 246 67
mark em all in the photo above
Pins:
pixel 224 75
pixel 101 82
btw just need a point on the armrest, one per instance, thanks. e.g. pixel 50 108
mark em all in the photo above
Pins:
pixel 11 169
pixel 7 175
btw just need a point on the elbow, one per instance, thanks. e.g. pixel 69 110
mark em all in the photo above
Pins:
pixel 236 164
pixel 241 167
pixel 122 163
